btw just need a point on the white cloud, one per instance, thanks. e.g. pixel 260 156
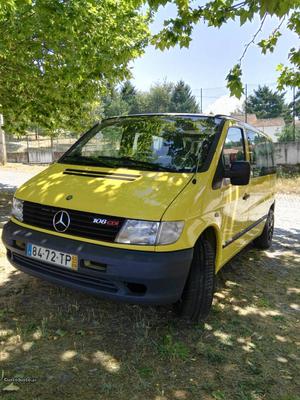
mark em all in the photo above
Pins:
pixel 225 105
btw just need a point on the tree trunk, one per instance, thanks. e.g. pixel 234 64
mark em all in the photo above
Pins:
pixel 3 156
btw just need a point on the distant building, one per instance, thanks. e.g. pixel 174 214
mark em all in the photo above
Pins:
pixel 270 126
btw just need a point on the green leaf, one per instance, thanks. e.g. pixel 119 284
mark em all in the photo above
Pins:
pixel 234 82
pixel 244 16
pixel 270 43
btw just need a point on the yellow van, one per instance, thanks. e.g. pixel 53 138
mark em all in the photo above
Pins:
pixel 147 209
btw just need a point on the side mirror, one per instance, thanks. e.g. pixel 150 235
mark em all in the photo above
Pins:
pixel 239 173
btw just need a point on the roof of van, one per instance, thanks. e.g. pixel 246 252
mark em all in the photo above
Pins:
pixel 224 116
pixel 176 114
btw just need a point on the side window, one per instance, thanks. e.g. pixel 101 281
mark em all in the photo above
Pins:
pixel 271 158
pixel 255 152
pixel 234 149
pixel 261 154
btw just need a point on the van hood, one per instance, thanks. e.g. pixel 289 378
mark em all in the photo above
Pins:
pixel 107 191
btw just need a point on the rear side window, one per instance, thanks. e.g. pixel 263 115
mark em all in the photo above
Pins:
pixel 234 149
pixel 261 154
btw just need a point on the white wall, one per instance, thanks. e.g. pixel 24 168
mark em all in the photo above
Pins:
pixel 43 156
pixel 287 153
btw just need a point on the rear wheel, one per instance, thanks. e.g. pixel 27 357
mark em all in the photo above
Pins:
pixel 197 296
pixel 264 241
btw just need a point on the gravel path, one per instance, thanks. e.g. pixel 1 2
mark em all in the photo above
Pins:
pixel 13 175
pixel 13 179
pixel 287 222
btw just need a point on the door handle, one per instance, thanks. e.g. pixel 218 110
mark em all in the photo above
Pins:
pixel 246 196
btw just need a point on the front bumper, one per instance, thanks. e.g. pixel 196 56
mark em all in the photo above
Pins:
pixel 127 275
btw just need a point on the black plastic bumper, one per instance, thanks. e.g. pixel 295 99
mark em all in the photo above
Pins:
pixel 127 275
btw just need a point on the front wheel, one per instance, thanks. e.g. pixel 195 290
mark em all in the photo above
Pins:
pixel 197 296
pixel 264 241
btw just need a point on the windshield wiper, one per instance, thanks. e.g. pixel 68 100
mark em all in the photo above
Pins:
pixel 134 162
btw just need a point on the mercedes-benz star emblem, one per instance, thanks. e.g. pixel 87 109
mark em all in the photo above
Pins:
pixel 61 221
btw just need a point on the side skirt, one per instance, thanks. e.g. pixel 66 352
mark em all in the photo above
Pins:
pixel 238 235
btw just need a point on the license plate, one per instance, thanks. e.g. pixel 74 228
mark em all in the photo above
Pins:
pixel 52 256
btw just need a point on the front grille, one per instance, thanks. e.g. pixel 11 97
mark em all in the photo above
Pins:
pixel 63 274
pixel 81 223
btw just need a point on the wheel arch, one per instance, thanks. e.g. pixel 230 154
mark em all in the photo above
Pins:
pixel 213 234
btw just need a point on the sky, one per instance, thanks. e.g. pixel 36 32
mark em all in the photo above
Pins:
pixel 209 58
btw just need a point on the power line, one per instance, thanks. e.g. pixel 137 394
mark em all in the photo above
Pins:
pixel 225 87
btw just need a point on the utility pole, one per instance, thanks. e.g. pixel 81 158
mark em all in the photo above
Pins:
pixel 3 157
pixel 201 108
pixel 294 113
pixel 246 100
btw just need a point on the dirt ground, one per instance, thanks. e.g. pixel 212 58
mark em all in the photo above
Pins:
pixel 71 345
pixel 23 168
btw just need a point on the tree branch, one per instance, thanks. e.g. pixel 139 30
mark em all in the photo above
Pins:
pixel 253 39
pixel 235 6
pixel 279 26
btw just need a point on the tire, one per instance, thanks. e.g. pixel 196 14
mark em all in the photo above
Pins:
pixel 197 296
pixel 264 241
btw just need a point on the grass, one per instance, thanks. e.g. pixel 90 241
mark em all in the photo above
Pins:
pixel 288 180
pixel 171 349
pixel 78 346
pixel 288 185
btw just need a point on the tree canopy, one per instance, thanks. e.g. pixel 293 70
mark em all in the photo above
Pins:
pixel 216 13
pixel 289 134
pixel 266 104
pixel 296 105
pixel 182 99
pixel 57 56
pixel 162 97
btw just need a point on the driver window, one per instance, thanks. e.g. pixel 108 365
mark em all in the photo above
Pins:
pixel 234 149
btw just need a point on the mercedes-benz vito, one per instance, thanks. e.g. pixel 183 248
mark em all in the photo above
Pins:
pixel 147 209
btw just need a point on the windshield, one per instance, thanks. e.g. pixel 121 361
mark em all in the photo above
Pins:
pixel 153 143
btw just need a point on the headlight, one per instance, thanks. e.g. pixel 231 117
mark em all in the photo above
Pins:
pixel 17 209
pixel 169 232
pixel 149 232
pixel 138 232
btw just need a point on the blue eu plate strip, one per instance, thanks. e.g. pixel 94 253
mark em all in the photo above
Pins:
pixel 29 249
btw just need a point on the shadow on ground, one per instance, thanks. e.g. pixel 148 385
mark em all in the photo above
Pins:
pixel 6 193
